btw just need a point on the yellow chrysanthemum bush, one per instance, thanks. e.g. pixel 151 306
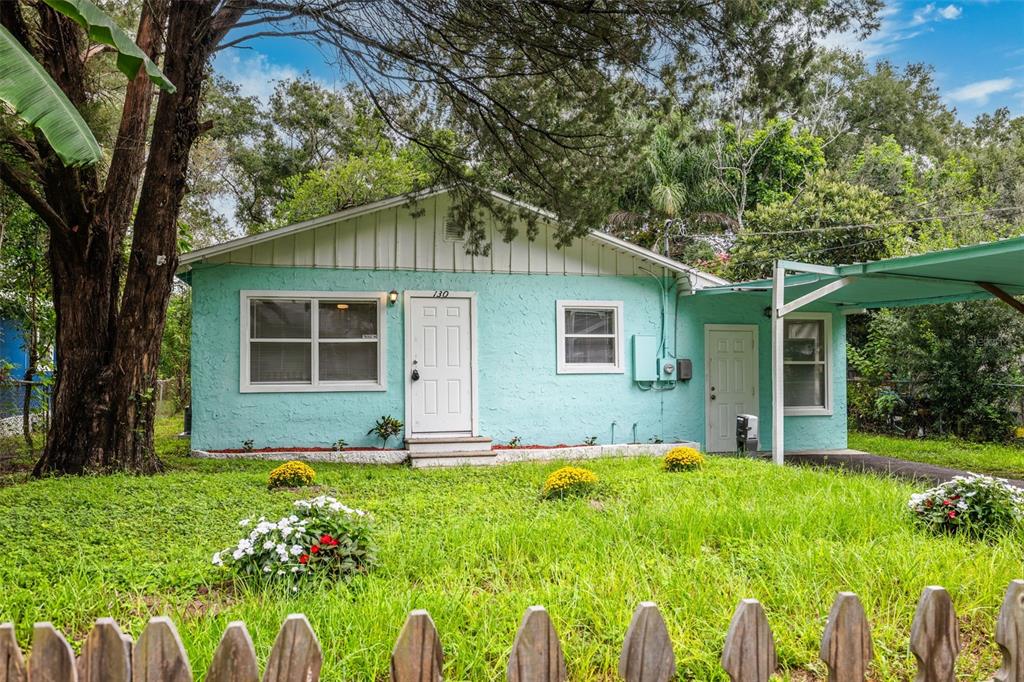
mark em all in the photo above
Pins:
pixel 291 475
pixel 568 481
pixel 682 459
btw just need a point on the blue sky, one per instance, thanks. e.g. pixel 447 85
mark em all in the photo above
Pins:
pixel 975 46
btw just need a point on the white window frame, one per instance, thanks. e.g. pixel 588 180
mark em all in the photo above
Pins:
pixel 809 411
pixel 315 385
pixel 564 367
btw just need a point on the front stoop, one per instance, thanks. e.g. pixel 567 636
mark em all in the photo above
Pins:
pixel 421 445
pixel 452 458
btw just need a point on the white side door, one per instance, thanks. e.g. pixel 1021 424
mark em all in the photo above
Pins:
pixel 731 381
pixel 440 365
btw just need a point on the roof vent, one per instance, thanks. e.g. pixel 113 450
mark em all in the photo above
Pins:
pixel 452 233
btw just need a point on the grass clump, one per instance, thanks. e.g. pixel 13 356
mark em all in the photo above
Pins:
pixel 291 475
pixel 682 459
pixel 568 481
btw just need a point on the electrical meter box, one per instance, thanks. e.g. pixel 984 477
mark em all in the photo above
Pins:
pixel 645 358
pixel 667 369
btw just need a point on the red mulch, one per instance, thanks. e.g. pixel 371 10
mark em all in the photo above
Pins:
pixel 240 450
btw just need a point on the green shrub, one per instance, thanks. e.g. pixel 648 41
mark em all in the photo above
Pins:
pixel 971 504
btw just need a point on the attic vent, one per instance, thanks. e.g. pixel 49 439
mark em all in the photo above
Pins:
pixel 452 233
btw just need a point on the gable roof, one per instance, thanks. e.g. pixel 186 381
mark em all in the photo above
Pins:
pixel 233 250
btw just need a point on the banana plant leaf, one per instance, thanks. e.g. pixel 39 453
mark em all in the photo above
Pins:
pixel 102 29
pixel 28 89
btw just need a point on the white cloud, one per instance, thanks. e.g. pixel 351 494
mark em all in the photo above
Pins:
pixel 252 72
pixel 931 12
pixel 923 15
pixel 980 91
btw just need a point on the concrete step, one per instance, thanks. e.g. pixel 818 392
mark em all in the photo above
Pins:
pixel 444 444
pixel 451 458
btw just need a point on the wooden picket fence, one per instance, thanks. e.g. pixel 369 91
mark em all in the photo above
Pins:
pixel 749 651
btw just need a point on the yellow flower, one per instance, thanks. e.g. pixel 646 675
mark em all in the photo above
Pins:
pixel 569 480
pixel 1019 432
pixel 291 475
pixel 682 459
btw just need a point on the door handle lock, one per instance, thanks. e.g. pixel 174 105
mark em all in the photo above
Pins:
pixel 415 375
pixel 712 396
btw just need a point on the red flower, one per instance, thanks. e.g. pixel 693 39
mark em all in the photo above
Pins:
pixel 314 549
pixel 951 514
pixel 946 502
pixel 326 539
pixel 928 503
pixel 303 558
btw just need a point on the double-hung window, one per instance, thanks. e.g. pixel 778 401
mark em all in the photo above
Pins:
pixel 589 337
pixel 807 352
pixel 312 341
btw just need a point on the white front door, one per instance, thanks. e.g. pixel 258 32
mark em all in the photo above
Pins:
pixel 731 381
pixel 440 364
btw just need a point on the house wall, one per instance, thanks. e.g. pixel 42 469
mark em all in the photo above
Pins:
pixel 520 393
pixel 802 432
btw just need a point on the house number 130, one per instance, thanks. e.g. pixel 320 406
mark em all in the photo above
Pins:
pixel 441 294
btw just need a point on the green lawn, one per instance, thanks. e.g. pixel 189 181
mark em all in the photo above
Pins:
pixel 983 458
pixel 476 547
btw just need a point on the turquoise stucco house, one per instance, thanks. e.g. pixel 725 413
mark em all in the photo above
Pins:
pixel 307 334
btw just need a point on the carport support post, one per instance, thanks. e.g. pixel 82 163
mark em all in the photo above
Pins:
pixel 778 392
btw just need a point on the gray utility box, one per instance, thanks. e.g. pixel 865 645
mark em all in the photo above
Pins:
pixel 746 433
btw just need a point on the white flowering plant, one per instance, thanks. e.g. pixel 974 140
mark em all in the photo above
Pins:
pixel 321 537
pixel 971 504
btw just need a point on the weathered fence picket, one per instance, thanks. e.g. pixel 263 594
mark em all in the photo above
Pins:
pixel 536 652
pixel 235 658
pixel 1010 634
pixel 749 651
pixel 846 644
pixel 935 637
pixel 647 654
pixel 417 656
pixel 748 654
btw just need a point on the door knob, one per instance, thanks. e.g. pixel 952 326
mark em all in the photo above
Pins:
pixel 415 375
pixel 712 396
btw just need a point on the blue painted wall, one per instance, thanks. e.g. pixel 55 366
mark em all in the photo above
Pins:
pixel 12 347
pixel 803 432
pixel 521 393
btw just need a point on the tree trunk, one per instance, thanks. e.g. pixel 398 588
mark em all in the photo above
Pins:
pixel 108 340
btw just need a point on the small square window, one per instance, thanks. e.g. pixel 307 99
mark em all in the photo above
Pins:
pixel 589 337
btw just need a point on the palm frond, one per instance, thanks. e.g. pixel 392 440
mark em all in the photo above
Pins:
pixel 102 29
pixel 36 98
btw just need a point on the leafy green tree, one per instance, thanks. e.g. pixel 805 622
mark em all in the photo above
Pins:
pixel 25 297
pixel 830 221
pixel 946 369
pixel 176 347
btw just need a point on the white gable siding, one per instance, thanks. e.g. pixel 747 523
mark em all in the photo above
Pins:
pixel 392 239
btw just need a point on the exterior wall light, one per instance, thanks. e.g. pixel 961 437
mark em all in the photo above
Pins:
pixel 392 297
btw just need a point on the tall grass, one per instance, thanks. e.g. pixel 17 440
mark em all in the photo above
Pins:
pixel 477 546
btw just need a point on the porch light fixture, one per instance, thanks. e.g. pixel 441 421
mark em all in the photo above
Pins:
pixel 392 297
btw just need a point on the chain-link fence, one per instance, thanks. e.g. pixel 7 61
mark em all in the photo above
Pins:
pixel 12 404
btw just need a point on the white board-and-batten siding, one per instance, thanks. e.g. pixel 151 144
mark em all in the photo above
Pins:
pixel 398 238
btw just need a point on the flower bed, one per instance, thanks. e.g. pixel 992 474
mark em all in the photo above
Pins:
pixel 974 504
pixel 322 537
